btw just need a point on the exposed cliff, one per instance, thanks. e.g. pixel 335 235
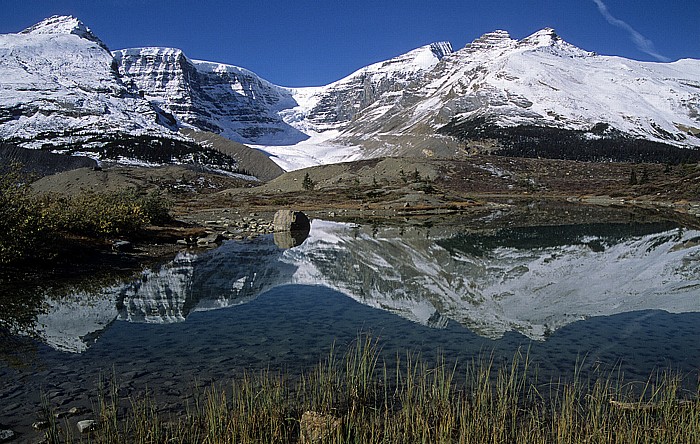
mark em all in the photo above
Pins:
pixel 223 99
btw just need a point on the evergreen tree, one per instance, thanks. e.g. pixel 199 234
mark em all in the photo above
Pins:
pixel 633 178
pixel 308 183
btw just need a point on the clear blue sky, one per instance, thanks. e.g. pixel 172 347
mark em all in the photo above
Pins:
pixel 314 42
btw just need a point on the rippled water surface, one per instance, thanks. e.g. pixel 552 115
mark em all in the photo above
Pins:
pixel 608 296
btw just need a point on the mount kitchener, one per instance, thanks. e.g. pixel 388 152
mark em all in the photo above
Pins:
pixel 63 90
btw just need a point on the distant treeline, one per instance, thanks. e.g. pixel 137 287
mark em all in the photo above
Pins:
pixel 39 162
pixel 144 148
pixel 599 145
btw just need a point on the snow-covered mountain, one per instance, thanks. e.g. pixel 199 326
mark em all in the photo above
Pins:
pixel 372 90
pixel 522 95
pixel 223 99
pixel 538 96
pixel 526 280
pixel 59 87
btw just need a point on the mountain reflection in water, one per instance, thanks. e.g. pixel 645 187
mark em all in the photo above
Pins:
pixel 531 280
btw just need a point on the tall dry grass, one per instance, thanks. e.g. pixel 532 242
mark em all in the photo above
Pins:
pixel 356 398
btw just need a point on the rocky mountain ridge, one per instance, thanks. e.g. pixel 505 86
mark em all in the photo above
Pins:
pixel 223 99
pixel 372 89
pixel 519 96
pixel 537 96
pixel 60 86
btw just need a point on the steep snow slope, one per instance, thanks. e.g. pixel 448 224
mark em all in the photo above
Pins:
pixel 60 87
pixel 541 81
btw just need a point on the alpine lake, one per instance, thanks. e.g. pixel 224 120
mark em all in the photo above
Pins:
pixel 618 296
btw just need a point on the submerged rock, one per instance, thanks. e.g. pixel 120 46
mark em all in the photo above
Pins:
pixel 212 238
pixel 122 246
pixel 6 435
pixel 40 425
pixel 86 425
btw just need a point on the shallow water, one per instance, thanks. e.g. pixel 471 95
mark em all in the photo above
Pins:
pixel 605 296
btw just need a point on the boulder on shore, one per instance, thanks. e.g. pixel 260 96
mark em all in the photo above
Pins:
pixel 288 220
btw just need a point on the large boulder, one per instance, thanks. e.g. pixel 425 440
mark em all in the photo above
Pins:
pixel 288 220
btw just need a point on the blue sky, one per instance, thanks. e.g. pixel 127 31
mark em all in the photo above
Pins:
pixel 308 43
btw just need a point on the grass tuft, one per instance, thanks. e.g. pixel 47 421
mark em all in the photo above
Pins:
pixel 358 399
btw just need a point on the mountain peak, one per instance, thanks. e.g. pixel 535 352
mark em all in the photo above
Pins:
pixel 491 40
pixel 63 24
pixel 548 38
pixel 543 37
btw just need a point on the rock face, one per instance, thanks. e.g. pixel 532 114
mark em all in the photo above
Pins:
pixel 226 100
pixel 288 220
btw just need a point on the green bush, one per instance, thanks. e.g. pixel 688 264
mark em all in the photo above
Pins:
pixel 27 222
pixel 156 207
pixel 23 223
pixel 109 214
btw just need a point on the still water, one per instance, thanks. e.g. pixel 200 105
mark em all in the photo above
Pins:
pixel 623 297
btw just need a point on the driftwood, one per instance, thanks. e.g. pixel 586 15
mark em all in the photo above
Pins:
pixel 648 405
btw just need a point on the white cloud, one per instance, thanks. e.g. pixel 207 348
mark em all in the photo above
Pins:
pixel 643 44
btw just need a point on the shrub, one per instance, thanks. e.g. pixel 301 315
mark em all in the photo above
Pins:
pixel 109 214
pixel 156 208
pixel 23 223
